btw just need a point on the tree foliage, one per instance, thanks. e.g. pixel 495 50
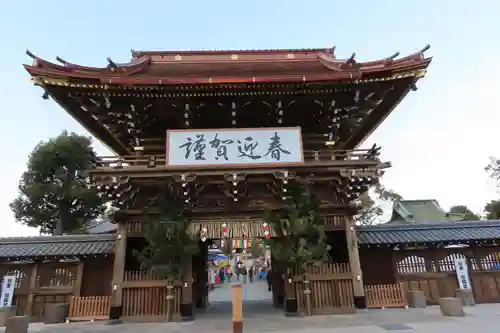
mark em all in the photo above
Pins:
pixel 492 210
pixel 369 209
pixel 300 232
pixel 462 209
pixel 169 243
pixel 52 191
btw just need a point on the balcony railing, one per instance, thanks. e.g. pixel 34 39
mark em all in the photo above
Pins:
pixel 310 157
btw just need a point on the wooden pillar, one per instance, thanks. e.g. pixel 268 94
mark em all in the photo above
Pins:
pixel 237 308
pixel 118 271
pixel 33 286
pixel 357 274
pixel 201 277
pixel 186 308
pixel 77 288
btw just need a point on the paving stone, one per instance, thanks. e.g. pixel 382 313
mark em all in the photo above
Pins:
pixel 482 318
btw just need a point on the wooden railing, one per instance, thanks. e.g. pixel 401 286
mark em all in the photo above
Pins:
pixel 89 308
pixel 140 275
pixel 385 296
pixel 152 161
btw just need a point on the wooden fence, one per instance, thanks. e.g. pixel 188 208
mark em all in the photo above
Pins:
pixel 385 296
pixel 89 308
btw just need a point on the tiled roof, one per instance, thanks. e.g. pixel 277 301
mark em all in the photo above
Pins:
pixel 420 211
pixel 56 246
pixel 101 226
pixel 436 232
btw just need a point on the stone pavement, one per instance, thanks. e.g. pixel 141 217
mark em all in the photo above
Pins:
pixel 260 317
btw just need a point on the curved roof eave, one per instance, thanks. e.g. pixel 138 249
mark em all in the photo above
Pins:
pixel 136 72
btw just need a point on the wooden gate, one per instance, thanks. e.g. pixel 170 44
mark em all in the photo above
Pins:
pixel 145 297
pixel 89 308
pixel 385 296
pixel 331 289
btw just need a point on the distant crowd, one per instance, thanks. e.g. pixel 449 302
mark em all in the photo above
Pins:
pixel 219 275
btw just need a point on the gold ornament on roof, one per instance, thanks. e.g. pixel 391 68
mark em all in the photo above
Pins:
pixel 178 57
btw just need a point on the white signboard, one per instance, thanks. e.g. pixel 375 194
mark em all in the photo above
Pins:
pixel 462 273
pixel 7 292
pixel 238 147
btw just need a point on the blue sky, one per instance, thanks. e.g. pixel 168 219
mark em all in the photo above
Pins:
pixel 439 138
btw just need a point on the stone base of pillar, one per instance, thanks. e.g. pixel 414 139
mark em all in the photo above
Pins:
pixel 186 311
pixel 360 302
pixel 416 299
pixel 467 296
pixel 5 313
pixel 451 307
pixel 115 312
pixel 291 307
pixel 18 324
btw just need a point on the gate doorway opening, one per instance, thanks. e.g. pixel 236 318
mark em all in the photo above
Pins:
pixel 236 261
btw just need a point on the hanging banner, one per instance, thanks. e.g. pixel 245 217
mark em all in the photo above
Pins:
pixel 462 273
pixel 7 292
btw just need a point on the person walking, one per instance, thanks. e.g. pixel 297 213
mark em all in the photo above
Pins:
pixel 222 275
pixel 242 270
pixel 269 279
pixel 239 264
pixel 250 274
pixel 229 272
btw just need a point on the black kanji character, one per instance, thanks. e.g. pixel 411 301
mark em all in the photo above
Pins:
pixel 221 146
pixel 197 147
pixel 275 148
pixel 247 148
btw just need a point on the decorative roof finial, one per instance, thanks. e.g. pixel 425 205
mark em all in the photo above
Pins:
pixel 426 48
pixel 112 64
pixel 61 60
pixel 31 55
pixel 351 60
pixel 392 57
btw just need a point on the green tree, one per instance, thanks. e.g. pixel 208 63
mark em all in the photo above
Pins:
pixel 468 214
pixel 492 210
pixel 300 232
pixel 370 208
pixel 493 169
pixel 169 246
pixel 53 195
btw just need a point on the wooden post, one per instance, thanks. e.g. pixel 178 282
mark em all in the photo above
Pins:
pixel 186 308
pixel 118 271
pixel 77 288
pixel 291 302
pixel 237 299
pixel 307 294
pixel 357 275
pixel 170 300
pixel 33 286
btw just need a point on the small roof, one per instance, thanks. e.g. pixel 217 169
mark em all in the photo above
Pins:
pixel 421 212
pixel 230 66
pixel 449 232
pixel 101 226
pixel 20 248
